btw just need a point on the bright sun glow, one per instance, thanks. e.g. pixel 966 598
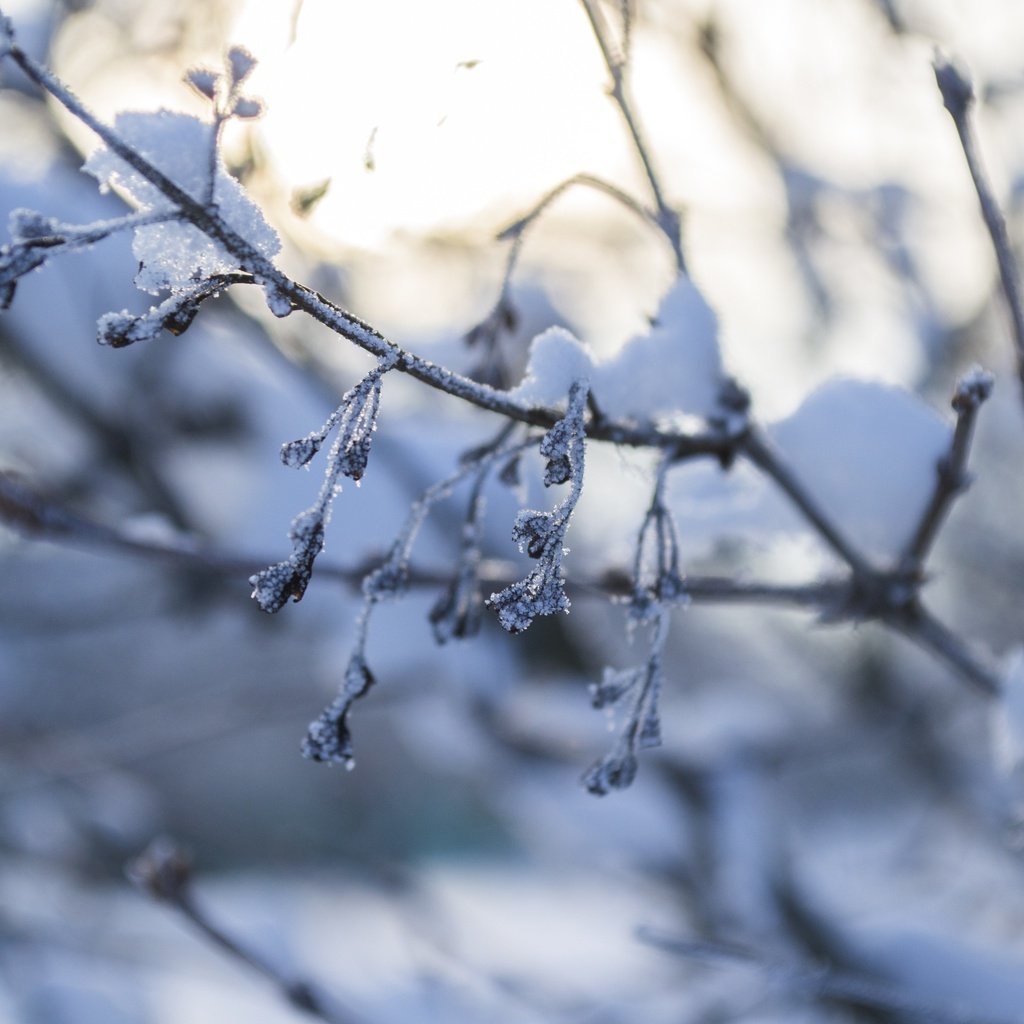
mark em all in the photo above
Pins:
pixel 427 116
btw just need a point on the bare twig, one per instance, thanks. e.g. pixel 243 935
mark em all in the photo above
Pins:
pixel 616 62
pixel 951 477
pixel 957 91
pixel 921 627
pixel 164 872
pixel 816 982
pixel 756 447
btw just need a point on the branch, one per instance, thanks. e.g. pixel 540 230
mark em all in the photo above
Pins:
pixel 756 447
pixel 164 872
pixel 208 220
pixel 814 981
pixel 668 218
pixel 951 476
pixel 958 98
pixel 918 624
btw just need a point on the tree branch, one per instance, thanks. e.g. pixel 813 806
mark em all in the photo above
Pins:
pixel 957 91
pixel 164 872
pixel 668 218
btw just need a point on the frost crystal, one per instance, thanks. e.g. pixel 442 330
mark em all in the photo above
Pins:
pixel 542 534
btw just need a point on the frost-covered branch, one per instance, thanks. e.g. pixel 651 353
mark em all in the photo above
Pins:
pixel 957 91
pixel 329 738
pixel 822 982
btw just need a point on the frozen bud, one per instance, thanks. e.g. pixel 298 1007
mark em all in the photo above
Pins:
pixel 247 108
pixel 240 63
pixel 164 870
pixel 204 81
pixel 617 771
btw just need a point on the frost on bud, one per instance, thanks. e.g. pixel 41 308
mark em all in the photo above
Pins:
pixel 274 586
pixel 614 685
pixel 554 446
pixel 357 416
pixel 204 81
pixel 541 593
pixel 542 534
pixel 533 531
pixel 247 108
pixel 458 612
pixel 954 84
pixel 295 454
pixel 329 739
pixel 634 693
pixel 240 63
pixel 974 388
pixel 163 869
pixel 615 771
pixel 31 226
pixel 119 330
pixel 277 301
pixel 175 314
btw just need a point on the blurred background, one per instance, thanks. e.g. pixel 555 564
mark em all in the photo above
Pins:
pixel 824 796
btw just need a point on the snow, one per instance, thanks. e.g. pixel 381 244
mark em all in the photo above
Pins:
pixel 557 358
pixel 675 367
pixel 1008 714
pixel 174 255
pixel 868 453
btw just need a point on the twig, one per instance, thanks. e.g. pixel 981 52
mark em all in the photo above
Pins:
pixel 756 447
pixel 957 91
pixel 818 982
pixel 164 872
pixel 951 477
pixel 668 218
pixel 920 626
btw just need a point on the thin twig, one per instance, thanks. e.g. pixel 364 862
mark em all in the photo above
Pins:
pixel 756 447
pixel 668 218
pixel 921 627
pixel 818 982
pixel 957 91
pixel 164 872
pixel 951 477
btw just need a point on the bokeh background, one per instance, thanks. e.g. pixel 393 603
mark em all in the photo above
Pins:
pixel 825 796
